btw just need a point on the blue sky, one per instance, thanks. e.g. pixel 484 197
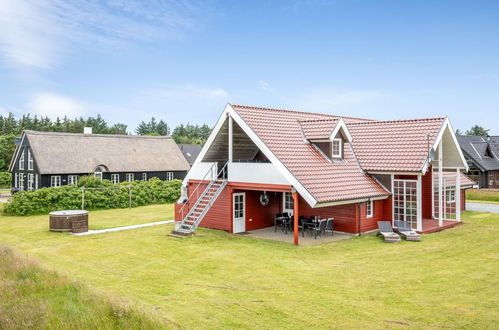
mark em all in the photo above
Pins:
pixel 182 61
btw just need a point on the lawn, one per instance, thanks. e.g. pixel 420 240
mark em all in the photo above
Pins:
pixel 216 279
pixel 481 195
pixel 32 297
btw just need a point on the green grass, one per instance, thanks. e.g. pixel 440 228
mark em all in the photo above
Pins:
pixel 220 280
pixel 473 195
pixel 32 297
pixel 481 202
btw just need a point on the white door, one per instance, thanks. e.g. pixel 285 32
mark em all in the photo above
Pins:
pixel 405 202
pixel 239 212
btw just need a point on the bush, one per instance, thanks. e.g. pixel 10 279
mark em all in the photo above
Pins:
pixel 5 179
pixel 45 200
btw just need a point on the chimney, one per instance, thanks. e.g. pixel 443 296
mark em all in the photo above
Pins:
pixel 87 130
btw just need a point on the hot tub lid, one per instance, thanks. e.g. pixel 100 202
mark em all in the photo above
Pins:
pixel 69 212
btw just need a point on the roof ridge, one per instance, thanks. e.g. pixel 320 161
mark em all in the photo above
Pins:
pixel 397 120
pixel 299 111
pixel 98 135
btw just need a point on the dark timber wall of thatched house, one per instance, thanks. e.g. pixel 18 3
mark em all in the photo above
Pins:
pixel 47 159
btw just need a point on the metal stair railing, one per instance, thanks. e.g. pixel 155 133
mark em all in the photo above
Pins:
pixel 196 214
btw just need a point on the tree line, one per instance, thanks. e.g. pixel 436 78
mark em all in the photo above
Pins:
pixel 11 128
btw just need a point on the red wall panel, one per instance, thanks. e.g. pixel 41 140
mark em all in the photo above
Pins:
pixel 426 200
pixel 368 224
pixel 257 215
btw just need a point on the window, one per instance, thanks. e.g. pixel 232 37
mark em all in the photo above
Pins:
pixel 144 176
pixel 72 179
pixel 55 181
pixel 370 209
pixel 21 181
pixel 288 203
pixel 129 177
pixel 36 181
pixel 21 160
pixel 169 176
pixel 16 184
pixel 337 146
pixel 30 161
pixel 451 196
pixel 98 173
pixel 30 181
pixel 115 178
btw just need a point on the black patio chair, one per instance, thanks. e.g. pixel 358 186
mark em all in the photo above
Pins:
pixel 302 224
pixel 319 228
pixel 278 221
pixel 330 225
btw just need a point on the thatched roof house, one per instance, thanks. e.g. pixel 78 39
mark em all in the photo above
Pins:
pixel 44 159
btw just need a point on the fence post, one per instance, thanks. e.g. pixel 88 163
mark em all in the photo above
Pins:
pixel 83 198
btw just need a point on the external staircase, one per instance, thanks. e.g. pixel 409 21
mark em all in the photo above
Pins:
pixel 204 199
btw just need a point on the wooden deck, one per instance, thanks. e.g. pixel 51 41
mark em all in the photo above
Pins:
pixel 431 225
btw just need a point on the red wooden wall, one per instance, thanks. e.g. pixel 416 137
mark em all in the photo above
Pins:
pixel 257 215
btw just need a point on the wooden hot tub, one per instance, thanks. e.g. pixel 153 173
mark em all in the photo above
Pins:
pixel 75 221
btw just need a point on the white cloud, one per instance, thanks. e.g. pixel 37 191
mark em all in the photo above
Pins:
pixel 55 105
pixel 262 84
pixel 38 33
pixel 187 92
pixel 330 99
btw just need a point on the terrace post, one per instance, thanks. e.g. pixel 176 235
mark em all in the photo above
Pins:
pixel 440 185
pixel 295 216
pixel 457 196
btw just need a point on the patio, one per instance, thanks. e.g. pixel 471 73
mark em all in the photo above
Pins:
pixel 279 235
pixel 431 225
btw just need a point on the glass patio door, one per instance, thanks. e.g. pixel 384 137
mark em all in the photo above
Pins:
pixel 405 201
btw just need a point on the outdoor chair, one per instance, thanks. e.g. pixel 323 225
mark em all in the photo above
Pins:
pixel 385 229
pixel 319 228
pixel 302 224
pixel 405 230
pixel 278 221
pixel 330 225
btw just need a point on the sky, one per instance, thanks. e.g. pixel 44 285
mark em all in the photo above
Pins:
pixel 184 60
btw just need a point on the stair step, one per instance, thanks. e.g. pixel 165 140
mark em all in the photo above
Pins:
pixel 182 232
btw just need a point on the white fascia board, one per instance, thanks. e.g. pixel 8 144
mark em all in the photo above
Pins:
pixel 447 125
pixel 352 201
pixel 341 125
pixel 273 158
pixel 209 141
pixel 18 148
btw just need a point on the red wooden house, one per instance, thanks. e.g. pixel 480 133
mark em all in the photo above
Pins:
pixel 260 161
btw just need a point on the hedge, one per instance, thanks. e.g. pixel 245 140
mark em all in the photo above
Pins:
pixel 5 179
pixel 45 200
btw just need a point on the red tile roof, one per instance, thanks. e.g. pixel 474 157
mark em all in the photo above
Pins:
pixel 326 181
pixel 317 129
pixel 450 179
pixel 394 145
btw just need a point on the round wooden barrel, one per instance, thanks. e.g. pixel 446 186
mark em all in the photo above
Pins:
pixel 69 220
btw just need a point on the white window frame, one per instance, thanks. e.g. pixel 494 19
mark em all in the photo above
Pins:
pixel 340 148
pixel 21 181
pixel 16 185
pixel 36 181
pixel 169 176
pixel 450 196
pixel 30 181
pixel 128 176
pixel 55 181
pixel 370 209
pixel 21 160
pixel 73 179
pixel 115 178
pixel 288 203
pixel 144 176
pixel 30 161
pixel 98 173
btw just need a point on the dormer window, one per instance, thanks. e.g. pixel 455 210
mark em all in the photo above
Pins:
pixel 337 146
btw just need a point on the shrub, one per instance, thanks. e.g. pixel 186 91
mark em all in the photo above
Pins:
pixel 109 196
pixel 5 179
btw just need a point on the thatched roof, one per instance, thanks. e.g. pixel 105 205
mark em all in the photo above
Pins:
pixel 60 153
